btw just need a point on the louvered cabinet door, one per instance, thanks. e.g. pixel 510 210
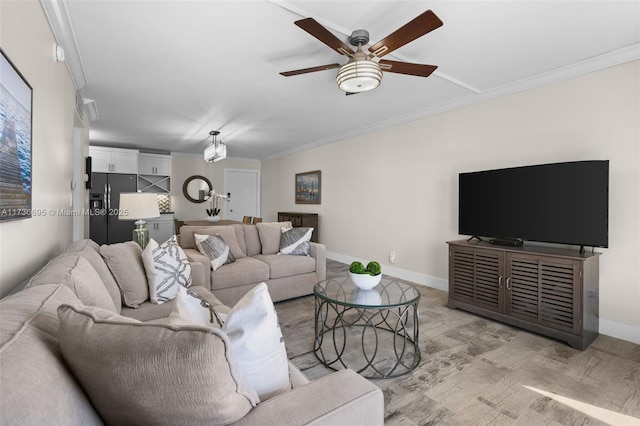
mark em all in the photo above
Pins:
pixel 543 290
pixel 476 277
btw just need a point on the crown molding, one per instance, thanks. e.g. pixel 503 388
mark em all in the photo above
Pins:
pixel 60 24
pixel 597 63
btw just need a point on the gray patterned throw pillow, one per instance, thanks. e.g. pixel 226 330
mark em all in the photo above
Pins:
pixel 167 267
pixel 214 247
pixel 295 241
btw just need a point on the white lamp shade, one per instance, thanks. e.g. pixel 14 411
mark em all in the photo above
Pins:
pixel 138 205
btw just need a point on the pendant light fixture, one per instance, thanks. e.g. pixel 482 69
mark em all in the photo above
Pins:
pixel 216 150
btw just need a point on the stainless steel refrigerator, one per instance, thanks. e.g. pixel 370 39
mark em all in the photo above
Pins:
pixel 104 200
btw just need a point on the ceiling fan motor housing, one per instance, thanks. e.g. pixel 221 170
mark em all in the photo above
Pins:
pixel 359 38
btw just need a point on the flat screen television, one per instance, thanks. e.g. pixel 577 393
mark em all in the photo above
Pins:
pixel 564 203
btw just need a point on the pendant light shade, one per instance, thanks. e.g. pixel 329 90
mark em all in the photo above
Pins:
pixel 216 150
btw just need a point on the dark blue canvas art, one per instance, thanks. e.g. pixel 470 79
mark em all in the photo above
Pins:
pixel 15 142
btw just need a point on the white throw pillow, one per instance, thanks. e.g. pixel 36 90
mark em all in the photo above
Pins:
pixel 257 346
pixel 191 309
pixel 295 240
pixel 167 268
pixel 215 248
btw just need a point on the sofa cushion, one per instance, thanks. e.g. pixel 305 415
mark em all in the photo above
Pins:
pixel 229 234
pixel 295 241
pixel 285 266
pixel 232 234
pixel 76 272
pixel 215 248
pixel 125 263
pixel 36 388
pixel 246 270
pixel 167 268
pixel 137 373
pixel 90 250
pixel 148 311
pixel 270 235
pixel 251 240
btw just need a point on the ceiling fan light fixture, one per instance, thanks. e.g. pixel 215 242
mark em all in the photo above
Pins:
pixel 359 76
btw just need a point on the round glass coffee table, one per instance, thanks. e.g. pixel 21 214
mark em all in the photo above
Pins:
pixel 374 332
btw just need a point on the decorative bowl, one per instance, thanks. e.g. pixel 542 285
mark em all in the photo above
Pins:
pixel 365 281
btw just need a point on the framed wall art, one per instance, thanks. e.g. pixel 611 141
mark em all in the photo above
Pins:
pixel 16 100
pixel 308 187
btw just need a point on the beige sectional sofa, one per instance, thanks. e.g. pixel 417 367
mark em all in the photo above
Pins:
pixel 255 248
pixel 41 383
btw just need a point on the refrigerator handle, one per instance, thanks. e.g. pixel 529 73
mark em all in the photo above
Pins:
pixel 104 205
pixel 109 199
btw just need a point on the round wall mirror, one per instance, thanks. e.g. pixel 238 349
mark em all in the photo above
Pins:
pixel 196 189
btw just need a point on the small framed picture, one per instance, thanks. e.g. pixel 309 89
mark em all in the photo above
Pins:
pixel 308 186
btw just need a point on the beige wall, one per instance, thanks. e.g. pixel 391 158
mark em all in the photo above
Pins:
pixel 186 165
pixel 25 245
pixel 396 189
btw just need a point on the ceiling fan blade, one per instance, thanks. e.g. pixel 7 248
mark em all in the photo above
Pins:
pixel 419 70
pixel 419 26
pixel 308 70
pixel 314 28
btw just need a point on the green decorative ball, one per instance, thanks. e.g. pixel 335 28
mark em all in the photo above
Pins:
pixel 357 268
pixel 374 268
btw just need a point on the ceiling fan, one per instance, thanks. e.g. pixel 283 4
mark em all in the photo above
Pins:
pixel 361 72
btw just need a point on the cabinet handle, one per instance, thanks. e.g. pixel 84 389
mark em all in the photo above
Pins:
pixel 499 280
pixel 508 281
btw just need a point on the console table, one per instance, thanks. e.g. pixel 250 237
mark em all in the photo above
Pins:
pixel 546 290
pixel 301 219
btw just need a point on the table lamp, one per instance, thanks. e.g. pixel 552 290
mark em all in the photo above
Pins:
pixel 138 206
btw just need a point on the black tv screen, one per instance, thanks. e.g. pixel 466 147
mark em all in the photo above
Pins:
pixel 564 203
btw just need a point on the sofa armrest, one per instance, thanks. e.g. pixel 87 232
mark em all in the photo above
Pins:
pixel 341 398
pixel 319 252
pixel 196 257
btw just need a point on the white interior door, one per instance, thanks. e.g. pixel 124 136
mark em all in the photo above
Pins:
pixel 243 189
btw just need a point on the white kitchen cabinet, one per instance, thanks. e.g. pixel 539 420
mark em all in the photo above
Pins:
pixel 113 160
pixel 154 164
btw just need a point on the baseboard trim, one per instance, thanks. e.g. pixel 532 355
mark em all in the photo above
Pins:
pixel 403 274
pixel 619 330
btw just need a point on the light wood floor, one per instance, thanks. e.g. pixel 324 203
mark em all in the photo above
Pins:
pixel 475 371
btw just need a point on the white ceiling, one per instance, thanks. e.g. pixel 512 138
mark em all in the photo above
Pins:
pixel 165 73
